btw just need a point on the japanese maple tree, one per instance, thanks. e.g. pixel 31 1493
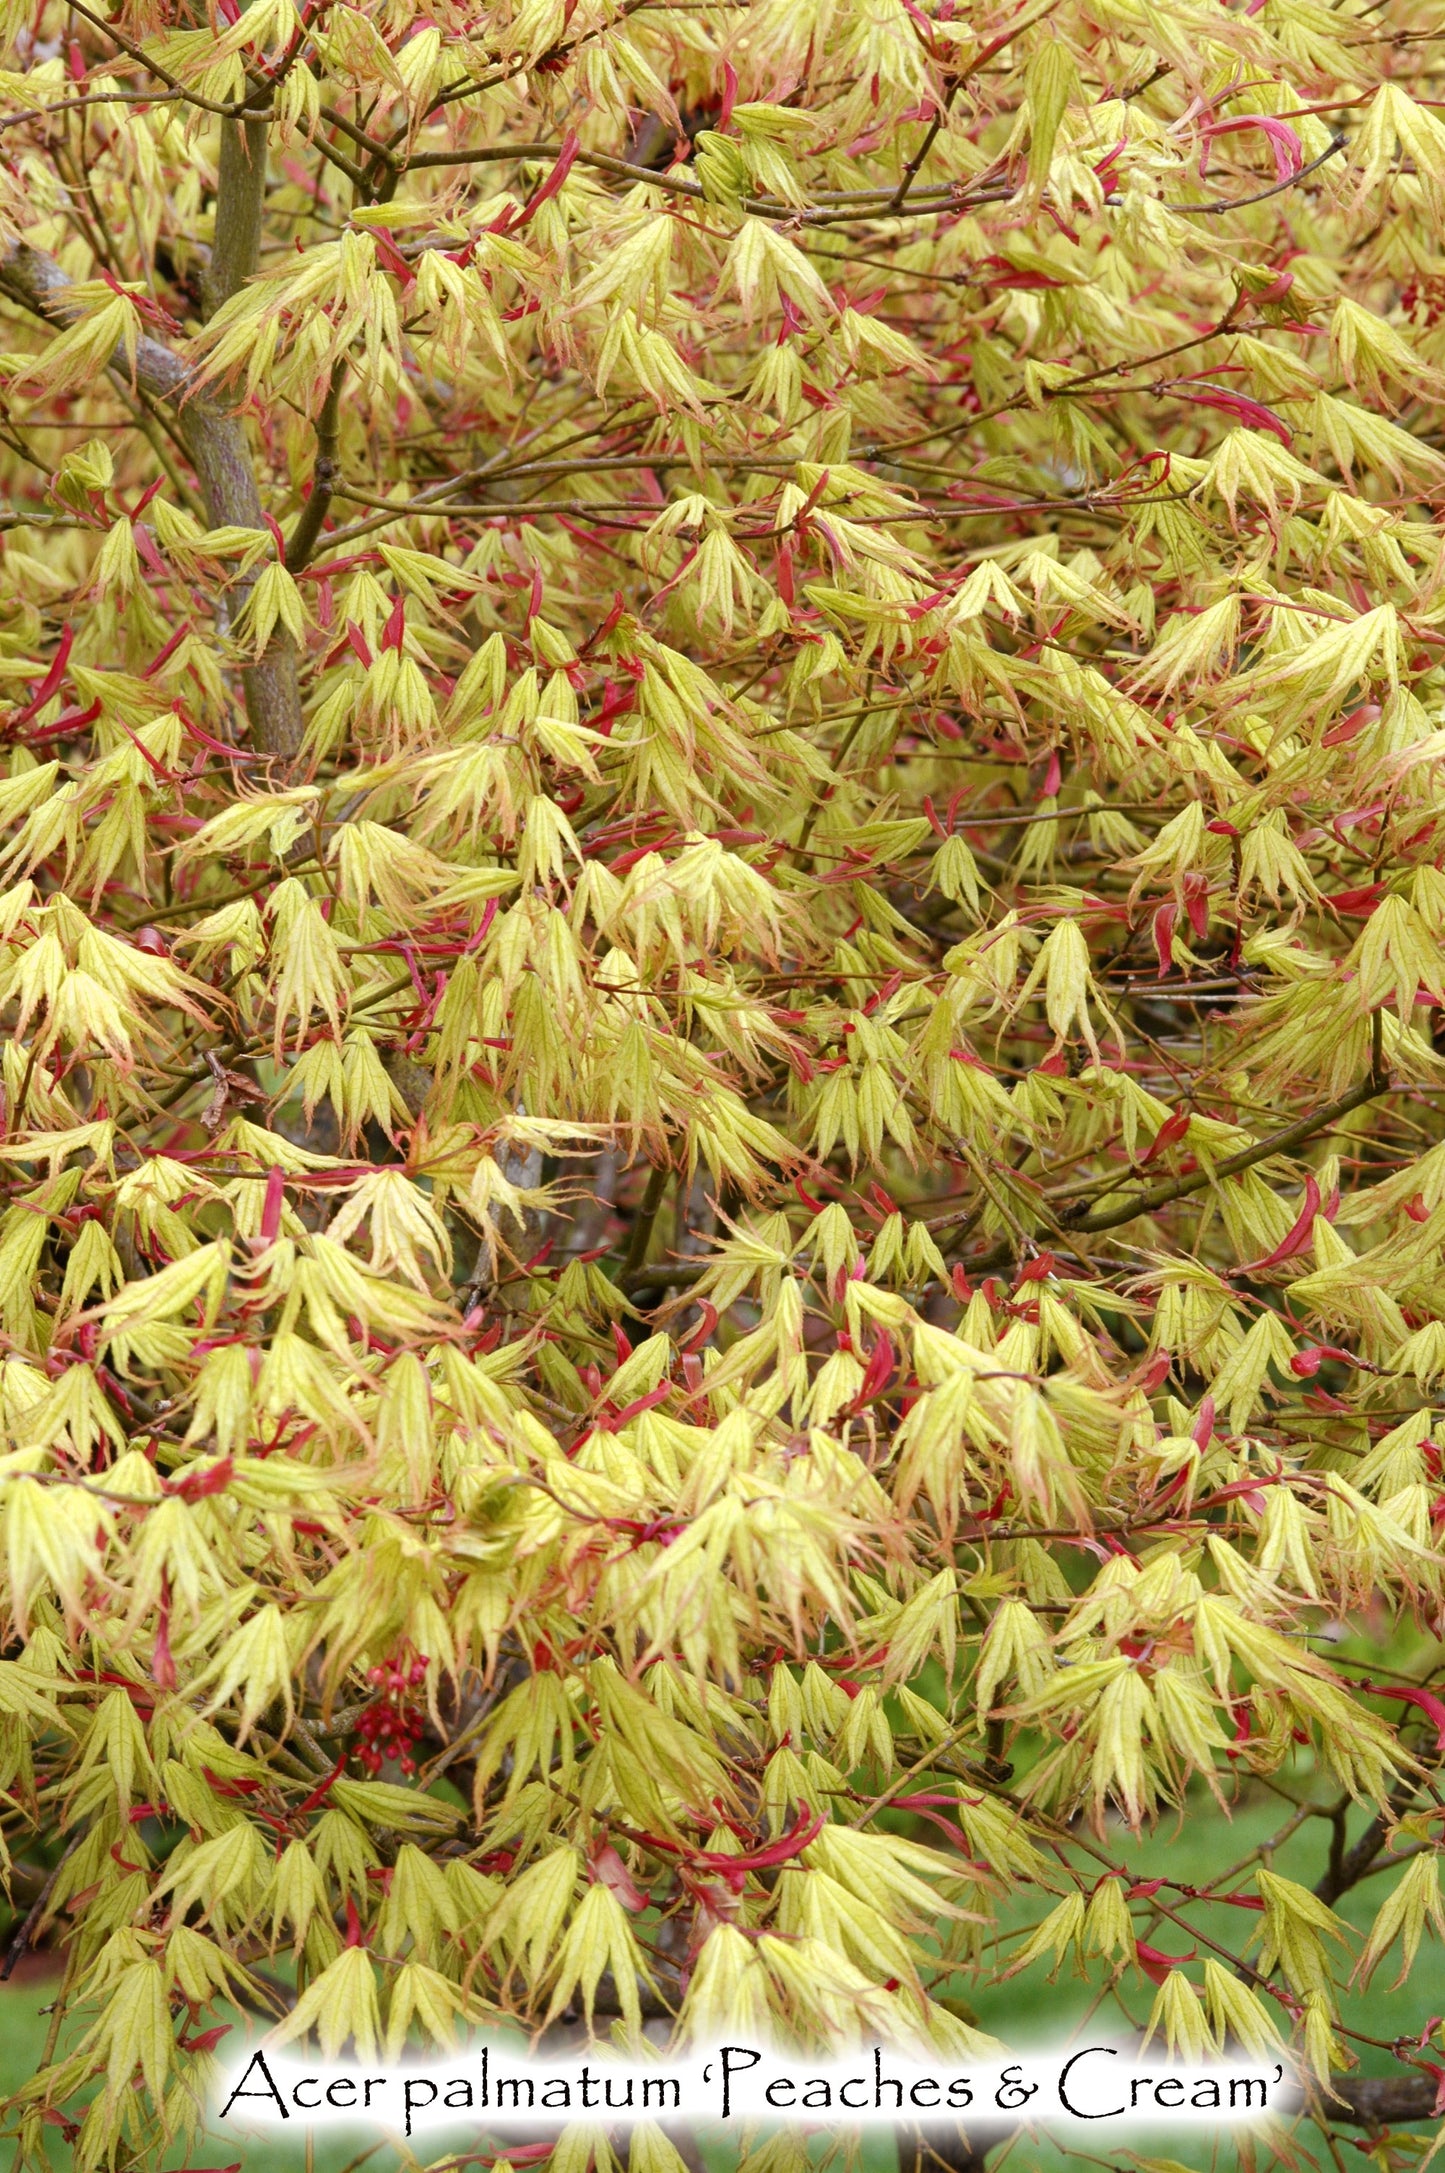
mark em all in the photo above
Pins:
pixel 722 937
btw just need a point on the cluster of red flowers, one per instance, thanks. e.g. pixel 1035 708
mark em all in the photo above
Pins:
pixel 391 1727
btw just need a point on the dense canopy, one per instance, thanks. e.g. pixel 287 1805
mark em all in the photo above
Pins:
pixel 722 934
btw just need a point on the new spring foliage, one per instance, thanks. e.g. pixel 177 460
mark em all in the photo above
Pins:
pixel 722 940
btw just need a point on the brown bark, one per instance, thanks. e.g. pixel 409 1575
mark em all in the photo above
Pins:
pixel 1383 2101
pixel 325 474
pixel 942 2150
pixel 240 201
pixel 214 436
pixel 1356 2101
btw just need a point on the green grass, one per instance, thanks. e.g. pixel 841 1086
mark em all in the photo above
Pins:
pixel 1193 1849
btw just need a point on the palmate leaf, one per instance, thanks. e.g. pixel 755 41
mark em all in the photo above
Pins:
pixel 722 975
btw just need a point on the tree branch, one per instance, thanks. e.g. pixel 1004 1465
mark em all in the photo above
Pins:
pixel 240 200
pixel 1241 203
pixel 138 53
pixel 864 203
pixel 942 2150
pixel 986 53
pixel 216 441
pixel 1382 2101
pixel 641 1234
pixel 1077 1221
pixel 1281 1142
pixel 16 1951
pixel 1348 1866
pixel 325 474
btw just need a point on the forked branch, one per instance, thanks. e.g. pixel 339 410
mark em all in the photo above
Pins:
pixel 214 436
